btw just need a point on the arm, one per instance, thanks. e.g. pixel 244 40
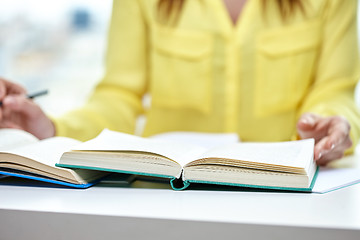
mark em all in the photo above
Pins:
pixel 116 101
pixel 335 120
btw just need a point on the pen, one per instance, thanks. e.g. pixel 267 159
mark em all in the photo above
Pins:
pixel 34 95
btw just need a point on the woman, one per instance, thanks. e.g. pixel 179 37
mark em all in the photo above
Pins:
pixel 268 70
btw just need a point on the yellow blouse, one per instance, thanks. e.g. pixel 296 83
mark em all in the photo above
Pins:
pixel 205 74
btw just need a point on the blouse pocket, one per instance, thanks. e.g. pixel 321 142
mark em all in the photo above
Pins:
pixel 181 69
pixel 285 61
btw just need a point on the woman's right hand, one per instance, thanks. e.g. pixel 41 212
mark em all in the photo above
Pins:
pixel 17 111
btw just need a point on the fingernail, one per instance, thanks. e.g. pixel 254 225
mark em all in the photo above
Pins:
pixel 319 155
pixel 309 121
pixel 332 146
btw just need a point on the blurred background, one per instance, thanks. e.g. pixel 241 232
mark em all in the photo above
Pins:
pixel 55 45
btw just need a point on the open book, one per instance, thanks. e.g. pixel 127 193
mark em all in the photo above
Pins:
pixel 280 165
pixel 23 155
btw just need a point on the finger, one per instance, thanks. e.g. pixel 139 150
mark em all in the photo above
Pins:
pixel 9 124
pixel 317 130
pixel 19 103
pixel 339 131
pixel 13 88
pixel 333 153
pixel 3 124
pixel 7 87
pixel 327 158
pixel 307 121
pixel 319 149
pixel 336 153
pixel 306 124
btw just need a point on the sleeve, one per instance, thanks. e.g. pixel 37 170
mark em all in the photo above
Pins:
pixel 332 92
pixel 116 101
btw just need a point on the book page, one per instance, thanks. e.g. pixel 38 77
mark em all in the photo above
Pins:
pixel 293 154
pixel 12 138
pixel 330 179
pixel 207 140
pixel 47 151
pixel 115 141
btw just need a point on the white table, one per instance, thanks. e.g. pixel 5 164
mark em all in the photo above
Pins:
pixel 141 212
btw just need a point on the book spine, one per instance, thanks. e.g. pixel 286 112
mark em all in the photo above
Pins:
pixel 178 184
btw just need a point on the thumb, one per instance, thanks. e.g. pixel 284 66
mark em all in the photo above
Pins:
pixel 19 103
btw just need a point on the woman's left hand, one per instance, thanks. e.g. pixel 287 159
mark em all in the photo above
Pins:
pixel 331 134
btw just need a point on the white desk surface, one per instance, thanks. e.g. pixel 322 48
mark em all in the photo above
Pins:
pixel 34 212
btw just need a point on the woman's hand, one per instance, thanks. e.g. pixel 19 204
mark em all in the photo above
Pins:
pixel 331 134
pixel 17 111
